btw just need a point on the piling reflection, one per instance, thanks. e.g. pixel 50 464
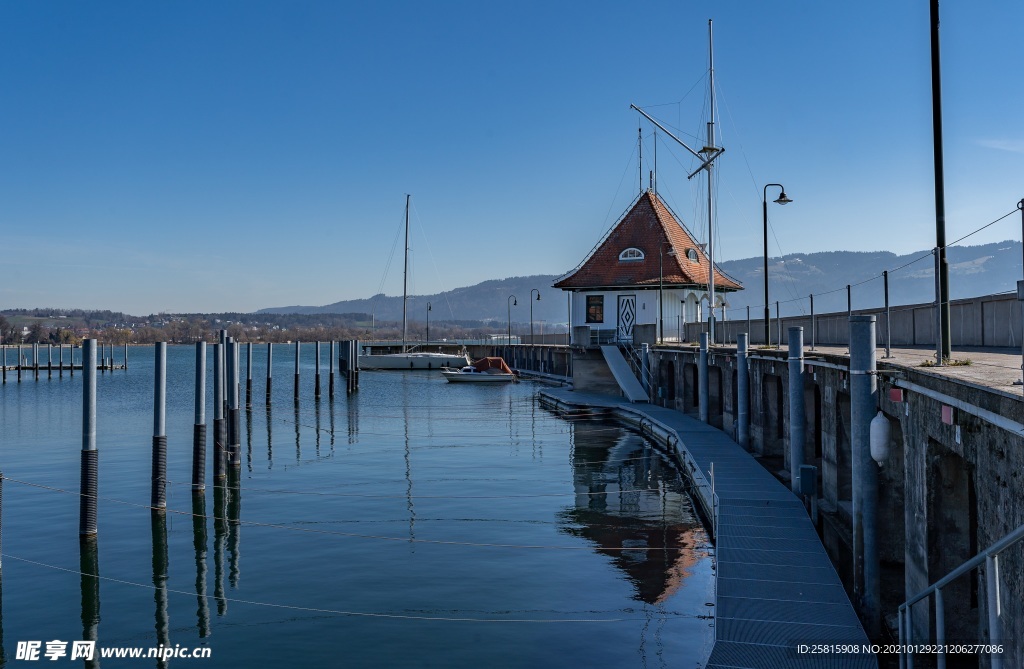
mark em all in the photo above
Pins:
pixel 298 435
pixel 248 437
pixel 270 441
pixel 89 566
pixel 3 655
pixel 199 542
pixel 316 411
pixel 234 527
pixel 330 413
pixel 353 418
pixel 631 503
pixel 163 635
pixel 220 532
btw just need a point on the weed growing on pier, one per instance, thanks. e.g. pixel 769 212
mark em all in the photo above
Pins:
pixel 949 362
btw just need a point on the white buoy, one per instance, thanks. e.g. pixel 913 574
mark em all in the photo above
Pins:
pixel 880 432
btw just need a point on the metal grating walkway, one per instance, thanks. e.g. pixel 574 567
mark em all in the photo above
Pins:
pixel 776 586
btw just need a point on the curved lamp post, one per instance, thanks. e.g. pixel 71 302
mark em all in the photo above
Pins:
pixel 531 312
pixel 783 199
pixel 661 282
pixel 511 301
pixel 428 322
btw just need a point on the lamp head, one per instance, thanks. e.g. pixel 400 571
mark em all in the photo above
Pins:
pixel 515 303
pixel 783 199
pixel 538 296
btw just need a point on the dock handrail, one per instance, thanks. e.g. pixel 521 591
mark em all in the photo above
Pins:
pixel 990 558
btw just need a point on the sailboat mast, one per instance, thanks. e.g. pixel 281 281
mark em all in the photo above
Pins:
pixel 405 276
pixel 711 218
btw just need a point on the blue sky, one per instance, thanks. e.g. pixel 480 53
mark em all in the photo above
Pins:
pixel 229 156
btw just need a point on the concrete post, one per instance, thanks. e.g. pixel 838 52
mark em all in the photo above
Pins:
pixel 702 379
pixel 863 406
pixel 87 505
pixel 158 499
pixel 742 392
pixel 888 320
pixel 797 433
pixel 199 429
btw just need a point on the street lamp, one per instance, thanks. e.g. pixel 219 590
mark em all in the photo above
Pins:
pixel 428 322
pixel 511 301
pixel 531 312
pixel 783 199
pixel 661 282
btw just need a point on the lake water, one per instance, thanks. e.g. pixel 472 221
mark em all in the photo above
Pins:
pixel 416 523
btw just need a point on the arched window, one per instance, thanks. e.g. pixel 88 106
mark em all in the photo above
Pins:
pixel 691 254
pixel 632 253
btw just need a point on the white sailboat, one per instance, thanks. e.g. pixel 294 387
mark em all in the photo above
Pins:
pixel 411 359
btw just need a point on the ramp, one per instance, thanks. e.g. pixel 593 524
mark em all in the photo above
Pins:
pixel 624 376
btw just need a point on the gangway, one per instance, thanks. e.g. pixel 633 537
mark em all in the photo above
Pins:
pixel 623 374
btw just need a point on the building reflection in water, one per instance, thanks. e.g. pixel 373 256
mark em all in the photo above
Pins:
pixel 631 503
pixel 89 566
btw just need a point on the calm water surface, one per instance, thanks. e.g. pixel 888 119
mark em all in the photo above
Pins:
pixel 414 524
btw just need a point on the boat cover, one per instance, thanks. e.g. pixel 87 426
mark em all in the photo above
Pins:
pixel 492 365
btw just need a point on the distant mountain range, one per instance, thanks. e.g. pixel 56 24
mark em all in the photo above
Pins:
pixel 973 270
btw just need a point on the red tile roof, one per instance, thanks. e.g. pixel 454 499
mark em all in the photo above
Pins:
pixel 649 226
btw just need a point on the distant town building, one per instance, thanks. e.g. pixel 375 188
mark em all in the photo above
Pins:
pixel 617 286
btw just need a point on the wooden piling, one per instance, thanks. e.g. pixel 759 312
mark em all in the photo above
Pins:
pixel 49 361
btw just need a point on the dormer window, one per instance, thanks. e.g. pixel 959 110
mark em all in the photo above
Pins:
pixel 691 254
pixel 632 253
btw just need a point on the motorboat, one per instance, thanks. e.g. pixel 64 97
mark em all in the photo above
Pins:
pixel 484 370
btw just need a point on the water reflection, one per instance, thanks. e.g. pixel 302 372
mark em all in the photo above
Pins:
pixel 316 411
pixel 199 542
pixel 630 502
pixel 159 526
pixel 234 527
pixel 270 443
pixel 89 566
pixel 298 435
pixel 220 531
pixel 353 418
pixel 3 655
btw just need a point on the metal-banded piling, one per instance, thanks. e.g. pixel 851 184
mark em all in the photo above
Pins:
pixel 158 498
pixel 330 377
pixel 270 370
pixel 298 346
pixel 199 429
pixel 316 378
pixel 703 398
pixel 234 415
pixel 220 432
pixel 88 488
pixel 248 376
